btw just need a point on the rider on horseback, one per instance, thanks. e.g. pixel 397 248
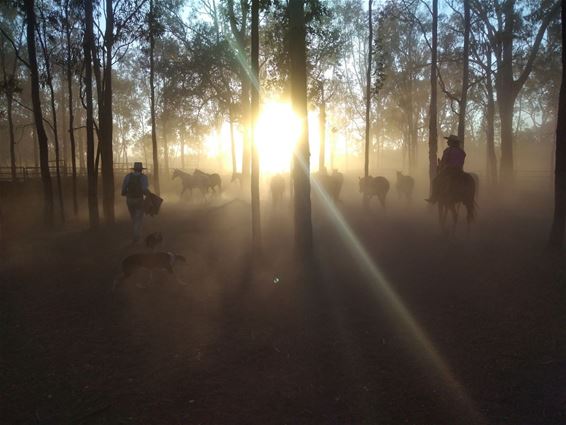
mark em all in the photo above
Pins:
pixel 450 167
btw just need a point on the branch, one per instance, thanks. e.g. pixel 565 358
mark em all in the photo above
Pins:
pixel 449 95
pixel 130 16
pixel 14 47
pixel 517 85
pixel 27 108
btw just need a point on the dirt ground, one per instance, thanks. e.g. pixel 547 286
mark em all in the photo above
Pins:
pixel 393 324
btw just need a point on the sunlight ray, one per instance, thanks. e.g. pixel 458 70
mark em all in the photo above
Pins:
pixel 382 287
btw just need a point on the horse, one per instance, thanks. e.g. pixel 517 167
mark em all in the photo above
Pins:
pixel 236 176
pixel 405 185
pixel 332 183
pixel 208 181
pixel 188 181
pixel 374 186
pixel 461 188
pixel 277 186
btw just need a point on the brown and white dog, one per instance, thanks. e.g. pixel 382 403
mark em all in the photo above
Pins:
pixel 149 261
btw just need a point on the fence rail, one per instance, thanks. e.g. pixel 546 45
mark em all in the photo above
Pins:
pixel 32 173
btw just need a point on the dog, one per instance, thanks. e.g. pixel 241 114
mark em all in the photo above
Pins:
pixel 153 239
pixel 149 261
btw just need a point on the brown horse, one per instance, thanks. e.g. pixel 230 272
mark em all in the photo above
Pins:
pixel 208 181
pixel 460 188
pixel 189 182
pixel 374 186
pixel 405 185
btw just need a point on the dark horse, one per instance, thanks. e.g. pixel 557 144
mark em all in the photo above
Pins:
pixel 331 183
pixel 374 186
pixel 405 185
pixel 208 181
pixel 459 188
pixel 189 182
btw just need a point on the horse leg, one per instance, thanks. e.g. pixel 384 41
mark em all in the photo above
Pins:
pixel 443 214
pixel 454 210
pixel 182 191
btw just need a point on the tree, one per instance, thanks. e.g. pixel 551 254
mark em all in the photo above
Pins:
pixel 106 119
pixel 47 59
pixel 151 20
pixel 29 7
pixel 301 162
pixel 90 162
pixel 123 25
pixel 433 123
pixel 256 223
pixel 556 239
pixel 10 86
pixel 240 34
pixel 325 50
pixel 368 91
pixel 70 61
pixel 502 36
pixel 491 158
pixel 465 74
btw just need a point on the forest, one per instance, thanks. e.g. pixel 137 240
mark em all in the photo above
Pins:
pixel 343 211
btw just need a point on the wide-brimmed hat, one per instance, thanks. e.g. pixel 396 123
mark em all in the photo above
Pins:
pixel 453 140
pixel 138 166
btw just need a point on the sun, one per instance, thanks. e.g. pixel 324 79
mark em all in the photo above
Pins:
pixel 276 131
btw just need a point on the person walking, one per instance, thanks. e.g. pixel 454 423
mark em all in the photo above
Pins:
pixel 135 187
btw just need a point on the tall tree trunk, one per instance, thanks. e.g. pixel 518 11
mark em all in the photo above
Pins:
pixel 301 165
pixel 322 135
pixel 106 125
pixel 432 116
pixel 35 149
pixel 240 34
pixel 556 239
pixel 13 167
pixel 245 102
pixel 490 126
pixel 63 128
pixel 232 141
pixel 9 87
pixel 506 117
pixel 183 135
pixel 37 114
pixel 152 95
pixel 90 161
pixel 368 90
pixel 49 77
pixel 98 154
pixel 333 149
pixel 507 87
pixel 465 74
pixel 81 150
pixel 165 149
pixel 71 110
pixel 256 223
pixel 57 149
pixel 413 137
pixel 411 128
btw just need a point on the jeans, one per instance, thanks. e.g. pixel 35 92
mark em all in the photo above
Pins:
pixel 135 207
